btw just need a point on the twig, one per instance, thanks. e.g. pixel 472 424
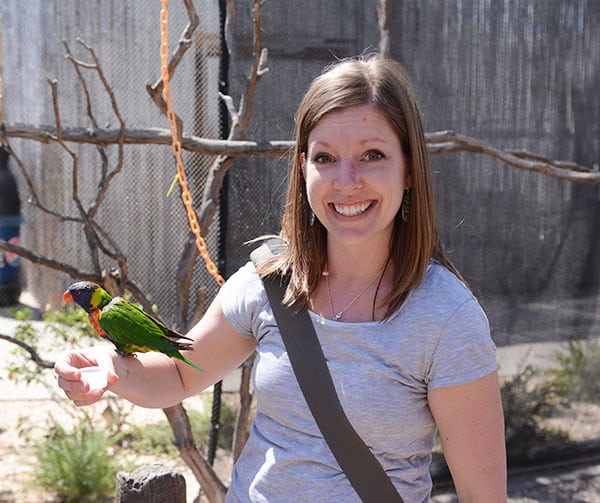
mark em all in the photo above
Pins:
pixel 48 262
pixel 105 183
pixel 185 41
pixel 35 199
pixel 39 361
pixel 77 64
pixel 446 142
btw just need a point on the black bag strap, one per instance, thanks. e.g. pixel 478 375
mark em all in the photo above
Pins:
pixel 359 464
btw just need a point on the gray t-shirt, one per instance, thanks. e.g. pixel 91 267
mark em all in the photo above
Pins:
pixel 382 372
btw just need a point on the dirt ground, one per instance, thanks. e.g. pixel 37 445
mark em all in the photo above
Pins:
pixel 16 484
pixel 26 407
pixel 579 484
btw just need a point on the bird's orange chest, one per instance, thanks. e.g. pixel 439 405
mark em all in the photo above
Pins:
pixel 94 318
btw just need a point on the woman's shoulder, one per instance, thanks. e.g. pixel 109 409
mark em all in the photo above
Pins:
pixel 441 288
pixel 242 282
pixel 242 297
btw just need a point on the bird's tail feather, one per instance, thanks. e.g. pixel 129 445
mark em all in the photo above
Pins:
pixel 189 362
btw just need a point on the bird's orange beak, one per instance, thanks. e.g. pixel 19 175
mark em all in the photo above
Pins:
pixel 67 297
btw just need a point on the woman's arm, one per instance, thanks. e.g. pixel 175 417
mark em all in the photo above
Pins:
pixel 153 379
pixel 471 425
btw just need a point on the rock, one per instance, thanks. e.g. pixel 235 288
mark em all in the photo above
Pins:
pixel 151 484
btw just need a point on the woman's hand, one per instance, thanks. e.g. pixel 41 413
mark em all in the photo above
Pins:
pixel 69 377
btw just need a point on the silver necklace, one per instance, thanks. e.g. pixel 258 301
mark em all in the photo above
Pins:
pixel 336 316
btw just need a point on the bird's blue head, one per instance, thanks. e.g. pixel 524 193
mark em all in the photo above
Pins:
pixel 88 295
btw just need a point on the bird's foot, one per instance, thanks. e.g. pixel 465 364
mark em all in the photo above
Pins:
pixel 122 353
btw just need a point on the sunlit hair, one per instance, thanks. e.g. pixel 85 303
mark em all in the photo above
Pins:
pixel 384 84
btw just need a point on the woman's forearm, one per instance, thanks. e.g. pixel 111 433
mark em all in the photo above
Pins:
pixel 148 379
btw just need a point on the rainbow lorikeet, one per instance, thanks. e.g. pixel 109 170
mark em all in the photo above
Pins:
pixel 125 324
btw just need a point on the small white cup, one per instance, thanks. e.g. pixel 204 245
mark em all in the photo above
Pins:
pixel 96 377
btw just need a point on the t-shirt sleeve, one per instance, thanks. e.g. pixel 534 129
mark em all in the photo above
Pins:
pixel 241 297
pixel 465 350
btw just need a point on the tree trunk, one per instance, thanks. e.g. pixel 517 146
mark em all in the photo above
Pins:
pixel 210 483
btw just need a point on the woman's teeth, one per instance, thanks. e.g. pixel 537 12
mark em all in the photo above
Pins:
pixel 350 210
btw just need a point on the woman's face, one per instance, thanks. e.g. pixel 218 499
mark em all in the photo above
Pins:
pixel 355 175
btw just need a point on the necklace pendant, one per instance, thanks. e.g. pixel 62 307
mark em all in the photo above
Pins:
pixel 337 316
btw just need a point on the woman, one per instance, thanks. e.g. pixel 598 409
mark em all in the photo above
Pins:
pixel 407 344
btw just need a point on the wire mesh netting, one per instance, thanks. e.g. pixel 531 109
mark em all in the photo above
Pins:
pixel 517 236
pixel 140 221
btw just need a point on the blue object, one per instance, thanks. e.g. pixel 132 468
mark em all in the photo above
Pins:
pixel 9 262
pixel 10 221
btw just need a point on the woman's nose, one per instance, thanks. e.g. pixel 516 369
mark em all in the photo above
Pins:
pixel 347 175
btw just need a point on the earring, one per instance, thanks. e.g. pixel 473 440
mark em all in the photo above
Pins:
pixel 312 217
pixel 406 203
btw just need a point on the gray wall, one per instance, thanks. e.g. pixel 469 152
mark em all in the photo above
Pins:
pixel 523 75
pixel 516 74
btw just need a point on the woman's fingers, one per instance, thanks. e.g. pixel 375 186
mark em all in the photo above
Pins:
pixel 69 379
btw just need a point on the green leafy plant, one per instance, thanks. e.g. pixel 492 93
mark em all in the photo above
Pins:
pixel 577 376
pixel 77 465
pixel 528 399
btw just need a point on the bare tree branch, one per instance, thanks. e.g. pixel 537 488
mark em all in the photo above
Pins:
pixel 107 177
pixel 35 199
pixel 240 120
pixel 76 66
pixel 147 136
pixel 383 18
pixel 47 262
pixel 185 41
pixel 212 486
pixel 38 360
pixel 446 142
pixel 442 142
pixel 240 434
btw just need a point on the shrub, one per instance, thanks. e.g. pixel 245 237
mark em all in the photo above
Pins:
pixel 577 377
pixel 527 401
pixel 76 465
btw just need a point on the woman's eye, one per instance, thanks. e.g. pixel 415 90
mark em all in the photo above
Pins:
pixel 323 159
pixel 373 155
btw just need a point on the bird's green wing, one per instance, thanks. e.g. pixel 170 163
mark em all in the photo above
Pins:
pixel 132 329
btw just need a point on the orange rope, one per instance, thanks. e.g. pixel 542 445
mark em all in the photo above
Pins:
pixel 185 193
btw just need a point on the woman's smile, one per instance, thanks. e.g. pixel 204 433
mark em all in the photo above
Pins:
pixel 352 210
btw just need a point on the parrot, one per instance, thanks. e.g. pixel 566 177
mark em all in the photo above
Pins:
pixel 125 324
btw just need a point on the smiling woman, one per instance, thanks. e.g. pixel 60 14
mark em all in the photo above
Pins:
pixel 366 109
pixel 406 344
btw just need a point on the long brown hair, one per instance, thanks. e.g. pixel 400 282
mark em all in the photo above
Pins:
pixel 384 84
